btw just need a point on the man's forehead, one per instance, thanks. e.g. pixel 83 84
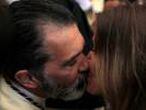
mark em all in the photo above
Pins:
pixel 65 41
pixel 61 35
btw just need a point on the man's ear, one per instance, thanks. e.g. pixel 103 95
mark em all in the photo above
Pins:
pixel 26 80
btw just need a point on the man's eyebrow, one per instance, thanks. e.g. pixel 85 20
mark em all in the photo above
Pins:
pixel 68 61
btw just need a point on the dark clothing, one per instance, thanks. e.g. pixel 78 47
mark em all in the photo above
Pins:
pixel 87 102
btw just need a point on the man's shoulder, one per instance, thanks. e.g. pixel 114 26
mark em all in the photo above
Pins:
pixel 11 100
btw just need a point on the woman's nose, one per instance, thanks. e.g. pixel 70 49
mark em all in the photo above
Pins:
pixel 83 66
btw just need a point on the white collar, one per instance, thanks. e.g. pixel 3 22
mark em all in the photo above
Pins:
pixel 28 94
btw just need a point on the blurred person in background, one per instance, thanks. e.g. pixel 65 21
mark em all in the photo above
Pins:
pixel 85 5
pixel 112 3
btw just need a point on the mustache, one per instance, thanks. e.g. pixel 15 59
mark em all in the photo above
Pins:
pixel 80 81
pixel 79 85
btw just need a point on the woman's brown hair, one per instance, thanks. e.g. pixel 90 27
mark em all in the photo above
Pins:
pixel 120 46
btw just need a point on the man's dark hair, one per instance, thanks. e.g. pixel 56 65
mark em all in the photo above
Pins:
pixel 26 51
pixel 5 32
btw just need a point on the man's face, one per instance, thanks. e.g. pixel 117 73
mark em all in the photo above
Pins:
pixel 63 75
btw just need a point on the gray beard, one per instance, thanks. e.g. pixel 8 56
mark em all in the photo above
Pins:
pixel 73 92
